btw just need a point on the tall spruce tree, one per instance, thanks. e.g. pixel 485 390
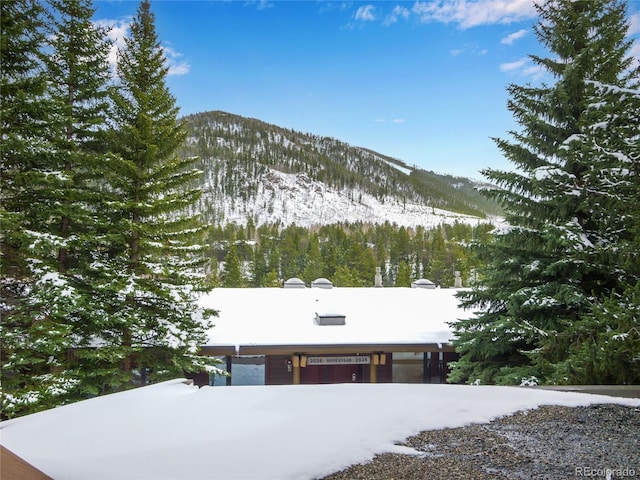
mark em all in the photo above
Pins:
pixel 34 337
pixel 54 193
pixel 151 264
pixel 78 70
pixel 232 277
pixel 604 343
pixel 78 73
pixel 544 272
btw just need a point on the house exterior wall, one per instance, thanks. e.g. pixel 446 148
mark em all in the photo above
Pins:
pixel 337 364
pixel 280 371
pixel 277 371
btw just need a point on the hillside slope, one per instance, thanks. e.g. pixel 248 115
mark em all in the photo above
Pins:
pixel 275 175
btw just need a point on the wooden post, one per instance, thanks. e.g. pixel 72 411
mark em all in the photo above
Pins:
pixel 373 368
pixel 295 360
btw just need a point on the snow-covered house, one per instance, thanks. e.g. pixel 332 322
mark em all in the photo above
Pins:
pixel 327 334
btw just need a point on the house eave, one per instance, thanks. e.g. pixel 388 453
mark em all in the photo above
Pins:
pixel 330 349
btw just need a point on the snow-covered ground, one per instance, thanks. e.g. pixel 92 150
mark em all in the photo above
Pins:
pixel 176 431
pixel 292 198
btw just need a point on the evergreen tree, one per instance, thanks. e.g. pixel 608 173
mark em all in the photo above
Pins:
pixel 404 276
pixel 232 277
pixel 259 268
pixel 78 69
pixel 314 265
pixel 345 277
pixel 365 265
pixel 543 273
pixel 62 203
pixel 36 300
pixel 292 251
pixel 78 73
pixel 151 264
pixel 604 343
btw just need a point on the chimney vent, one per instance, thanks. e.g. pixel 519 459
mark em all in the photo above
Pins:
pixel 378 278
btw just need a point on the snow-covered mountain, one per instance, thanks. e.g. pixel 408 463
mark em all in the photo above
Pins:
pixel 274 175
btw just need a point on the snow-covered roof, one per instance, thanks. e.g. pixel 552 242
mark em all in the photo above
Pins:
pixel 174 431
pixel 280 316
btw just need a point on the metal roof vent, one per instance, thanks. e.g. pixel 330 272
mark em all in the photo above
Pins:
pixel 423 283
pixel 378 278
pixel 321 283
pixel 294 283
pixel 330 319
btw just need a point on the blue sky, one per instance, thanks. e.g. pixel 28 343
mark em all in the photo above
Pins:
pixel 422 81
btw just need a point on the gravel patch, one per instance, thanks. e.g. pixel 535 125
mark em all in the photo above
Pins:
pixel 549 443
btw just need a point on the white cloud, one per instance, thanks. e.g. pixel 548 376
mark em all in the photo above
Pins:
pixel 517 65
pixel 634 51
pixel 634 29
pixel 117 31
pixel 534 71
pixel 366 13
pixel 634 24
pixel 471 13
pixel 469 48
pixel 395 120
pixel 525 68
pixel 509 39
pixel 264 4
pixel 397 13
pixel 176 67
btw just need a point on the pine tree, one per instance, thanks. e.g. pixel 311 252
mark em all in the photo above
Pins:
pixel 540 276
pixel 53 195
pixel 345 277
pixel 314 265
pixel 604 343
pixel 404 276
pixel 258 266
pixel 34 335
pixel 150 266
pixel 232 273
pixel 78 69
pixel 78 73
